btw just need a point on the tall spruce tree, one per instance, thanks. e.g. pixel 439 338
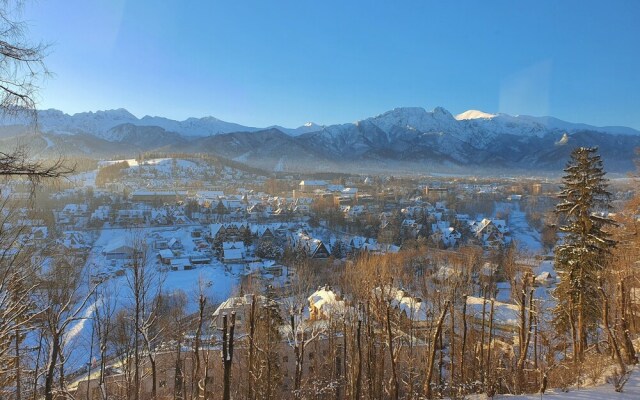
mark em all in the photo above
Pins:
pixel 582 252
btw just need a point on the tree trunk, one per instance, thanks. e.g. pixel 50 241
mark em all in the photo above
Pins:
pixel 178 376
pixel 484 318
pixel 36 373
pixel 298 350
pixel 195 375
pixel 490 380
pixel 88 395
pixel 581 330
pixel 464 339
pixel 525 328
pixel 252 331
pixel 359 370
pixel 18 366
pixel 394 375
pixel 227 354
pixel 51 367
pixel 370 352
pixel 612 338
pixel 452 339
pixel 103 367
pixel 630 351
pixel 432 355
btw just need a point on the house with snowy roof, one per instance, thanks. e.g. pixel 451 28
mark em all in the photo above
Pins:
pixel 263 231
pixel 233 252
pixel 118 249
pixel 409 307
pixel 75 210
pixel 324 303
pixel 490 233
pixel 443 232
pixel 101 213
pixel 241 305
pixel 166 255
pixel 313 248
pixel 311 186
pixel 74 240
pixel 506 316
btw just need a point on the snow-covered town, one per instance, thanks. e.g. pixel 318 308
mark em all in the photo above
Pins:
pixel 223 239
pixel 355 200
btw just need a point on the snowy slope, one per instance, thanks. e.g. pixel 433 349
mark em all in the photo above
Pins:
pixel 631 391
pixel 406 135
pixel 469 125
pixel 306 128
pixel 99 123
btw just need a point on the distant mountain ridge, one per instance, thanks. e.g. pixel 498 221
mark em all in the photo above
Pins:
pixel 100 122
pixel 407 138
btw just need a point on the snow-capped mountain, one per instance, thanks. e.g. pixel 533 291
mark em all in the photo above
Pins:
pixel 194 127
pixel 99 123
pixel 306 128
pixel 55 121
pixel 409 136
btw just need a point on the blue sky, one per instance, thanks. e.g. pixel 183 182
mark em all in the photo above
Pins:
pixel 288 62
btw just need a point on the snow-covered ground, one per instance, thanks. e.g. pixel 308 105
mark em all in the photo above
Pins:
pixel 528 238
pixel 85 179
pixel 219 283
pixel 50 143
pixel 631 392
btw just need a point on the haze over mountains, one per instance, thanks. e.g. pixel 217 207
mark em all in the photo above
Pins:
pixel 408 139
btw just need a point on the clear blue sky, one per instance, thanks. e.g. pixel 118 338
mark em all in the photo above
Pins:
pixel 288 62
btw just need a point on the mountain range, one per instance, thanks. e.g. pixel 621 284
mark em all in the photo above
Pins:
pixel 409 139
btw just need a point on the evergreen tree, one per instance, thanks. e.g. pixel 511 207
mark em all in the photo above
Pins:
pixel 339 249
pixel 247 237
pixel 581 255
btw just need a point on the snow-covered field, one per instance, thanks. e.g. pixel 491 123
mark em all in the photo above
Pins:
pixel 219 283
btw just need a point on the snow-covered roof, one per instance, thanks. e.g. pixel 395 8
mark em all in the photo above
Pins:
pixel 313 183
pixel 117 245
pixel 326 301
pixel 412 307
pixel 234 302
pixel 233 254
pixel 166 253
pixel 233 245
pixel 504 314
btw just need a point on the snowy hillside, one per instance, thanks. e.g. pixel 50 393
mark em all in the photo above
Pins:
pixel 99 123
pixel 397 139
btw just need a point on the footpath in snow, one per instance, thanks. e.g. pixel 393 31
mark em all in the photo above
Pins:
pixel 528 238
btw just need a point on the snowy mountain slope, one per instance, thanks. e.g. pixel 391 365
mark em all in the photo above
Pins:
pixel 400 137
pixel 306 128
pixel 100 122
pixel 474 114
pixel 195 127
pixel 268 149
pixel 55 121
pixel 143 136
pixel 548 123
pixel 469 125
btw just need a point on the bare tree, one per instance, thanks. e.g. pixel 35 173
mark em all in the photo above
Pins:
pixel 62 296
pixel 145 284
pixel 196 373
pixel 21 61
pixel 104 320
pixel 432 354
pixel 227 353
